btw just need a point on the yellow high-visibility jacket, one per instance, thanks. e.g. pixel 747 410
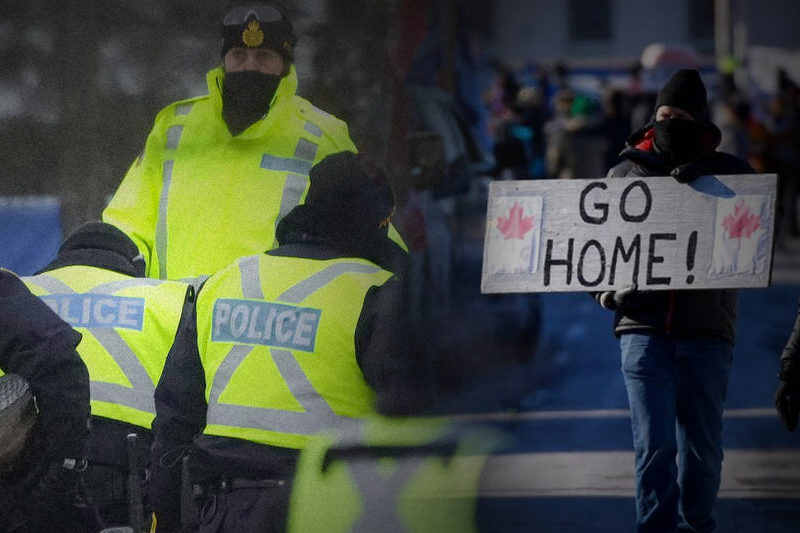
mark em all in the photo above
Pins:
pixel 198 198
pixel 394 475
pixel 276 338
pixel 128 326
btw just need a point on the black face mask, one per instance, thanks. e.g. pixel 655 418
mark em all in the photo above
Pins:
pixel 679 141
pixel 246 96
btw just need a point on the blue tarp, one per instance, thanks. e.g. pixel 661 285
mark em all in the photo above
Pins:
pixel 30 232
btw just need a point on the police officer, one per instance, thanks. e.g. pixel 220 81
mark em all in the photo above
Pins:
pixel 128 324
pixel 285 344
pixel 41 489
pixel 240 155
pixel 394 475
pixel 404 469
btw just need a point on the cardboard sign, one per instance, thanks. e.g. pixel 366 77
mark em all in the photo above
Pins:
pixel 591 235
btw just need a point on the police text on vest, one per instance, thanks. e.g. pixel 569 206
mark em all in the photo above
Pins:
pixel 266 323
pixel 97 310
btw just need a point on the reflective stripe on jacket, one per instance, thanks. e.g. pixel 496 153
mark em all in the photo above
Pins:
pixel 128 326
pixel 197 198
pixel 276 337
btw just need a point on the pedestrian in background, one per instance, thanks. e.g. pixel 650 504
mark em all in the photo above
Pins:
pixel 677 346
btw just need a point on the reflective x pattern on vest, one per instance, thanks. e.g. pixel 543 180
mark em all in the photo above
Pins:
pixel 140 395
pixel 380 493
pixel 317 414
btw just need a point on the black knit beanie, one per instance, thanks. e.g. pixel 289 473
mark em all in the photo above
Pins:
pixel 349 192
pixel 349 200
pixel 100 245
pixel 685 90
pixel 257 24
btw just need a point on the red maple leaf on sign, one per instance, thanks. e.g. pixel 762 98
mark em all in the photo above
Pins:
pixel 515 226
pixel 743 223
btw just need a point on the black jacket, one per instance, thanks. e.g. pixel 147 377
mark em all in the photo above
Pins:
pixel 681 313
pixel 790 358
pixel 36 344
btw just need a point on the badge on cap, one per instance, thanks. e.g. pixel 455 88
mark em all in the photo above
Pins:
pixel 253 36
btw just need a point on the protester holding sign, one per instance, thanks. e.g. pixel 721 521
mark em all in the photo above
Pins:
pixel 677 345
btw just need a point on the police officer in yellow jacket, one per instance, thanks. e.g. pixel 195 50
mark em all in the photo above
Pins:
pixel 398 474
pixel 218 172
pixel 40 482
pixel 284 345
pixel 128 324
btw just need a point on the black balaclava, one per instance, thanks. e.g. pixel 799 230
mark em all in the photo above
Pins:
pixel 678 141
pixel 681 140
pixel 247 95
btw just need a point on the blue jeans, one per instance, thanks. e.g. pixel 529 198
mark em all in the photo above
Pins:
pixel 676 390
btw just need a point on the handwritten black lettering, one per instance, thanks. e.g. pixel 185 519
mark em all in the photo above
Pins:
pixel 549 261
pixel 648 202
pixel 652 258
pixel 601 260
pixel 602 207
pixel 633 252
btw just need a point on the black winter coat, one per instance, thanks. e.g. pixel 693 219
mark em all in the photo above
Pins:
pixel 680 313
pixel 790 358
pixel 36 344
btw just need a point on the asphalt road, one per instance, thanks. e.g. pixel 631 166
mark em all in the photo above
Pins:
pixel 570 467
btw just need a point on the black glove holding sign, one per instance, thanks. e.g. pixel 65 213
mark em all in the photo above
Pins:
pixel 620 300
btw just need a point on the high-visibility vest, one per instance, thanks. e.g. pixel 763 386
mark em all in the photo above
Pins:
pixel 392 475
pixel 128 326
pixel 276 337
pixel 242 185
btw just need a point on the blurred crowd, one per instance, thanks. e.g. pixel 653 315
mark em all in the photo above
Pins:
pixel 544 125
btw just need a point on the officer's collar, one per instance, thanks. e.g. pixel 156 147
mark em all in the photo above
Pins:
pixel 104 259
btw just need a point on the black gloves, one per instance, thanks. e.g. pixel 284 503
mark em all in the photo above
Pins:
pixel 787 394
pixel 688 172
pixel 618 300
pixel 58 501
